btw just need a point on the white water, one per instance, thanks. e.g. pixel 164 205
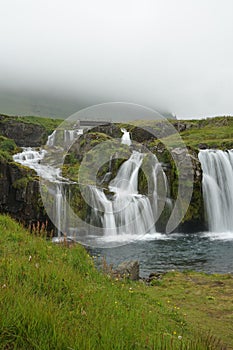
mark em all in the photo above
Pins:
pixel 67 137
pixel 128 213
pixel 34 159
pixel 217 187
pixel 125 137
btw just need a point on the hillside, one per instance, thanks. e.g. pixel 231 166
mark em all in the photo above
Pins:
pixel 52 297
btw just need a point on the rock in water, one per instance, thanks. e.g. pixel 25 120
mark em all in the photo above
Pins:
pixel 128 269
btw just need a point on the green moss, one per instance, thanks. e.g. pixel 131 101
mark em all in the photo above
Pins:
pixel 21 183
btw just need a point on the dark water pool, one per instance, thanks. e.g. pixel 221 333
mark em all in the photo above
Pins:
pixel 200 252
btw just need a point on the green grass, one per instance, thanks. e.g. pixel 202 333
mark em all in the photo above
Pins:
pixel 214 132
pixel 52 297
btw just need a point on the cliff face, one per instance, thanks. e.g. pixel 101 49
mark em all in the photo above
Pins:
pixel 20 194
pixel 24 134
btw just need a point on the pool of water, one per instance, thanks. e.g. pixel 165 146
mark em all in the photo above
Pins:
pixel 207 252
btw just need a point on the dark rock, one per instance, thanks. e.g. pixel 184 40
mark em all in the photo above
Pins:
pixel 202 146
pixel 128 269
pixel 24 134
pixel 20 194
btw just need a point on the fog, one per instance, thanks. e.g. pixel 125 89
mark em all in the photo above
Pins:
pixel 60 56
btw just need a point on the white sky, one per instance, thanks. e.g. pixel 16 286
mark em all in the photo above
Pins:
pixel 175 55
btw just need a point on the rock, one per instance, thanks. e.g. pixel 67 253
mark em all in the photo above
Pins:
pixel 128 269
pixel 24 134
pixel 20 194
pixel 202 146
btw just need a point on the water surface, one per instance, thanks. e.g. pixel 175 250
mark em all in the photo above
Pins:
pixel 208 252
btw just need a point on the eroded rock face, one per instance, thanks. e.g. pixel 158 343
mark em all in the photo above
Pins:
pixel 24 134
pixel 20 194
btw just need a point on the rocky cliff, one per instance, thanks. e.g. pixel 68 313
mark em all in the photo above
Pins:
pixel 24 133
pixel 20 194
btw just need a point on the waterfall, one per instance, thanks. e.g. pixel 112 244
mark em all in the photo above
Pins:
pixel 34 159
pixel 125 137
pixel 128 212
pixel 65 139
pixel 60 212
pixel 122 210
pixel 217 187
pixel 51 139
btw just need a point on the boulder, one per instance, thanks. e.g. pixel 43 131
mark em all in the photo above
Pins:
pixel 128 269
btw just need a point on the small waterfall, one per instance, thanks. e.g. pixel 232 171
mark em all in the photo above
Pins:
pixel 217 187
pixel 29 155
pixel 125 140
pixel 63 138
pixel 126 180
pixel 51 139
pixel 34 159
pixel 60 208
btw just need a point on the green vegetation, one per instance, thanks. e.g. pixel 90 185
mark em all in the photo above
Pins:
pixel 22 182
pixel 214 132
pixel 52 297
pixel 7 148
pixel 48 123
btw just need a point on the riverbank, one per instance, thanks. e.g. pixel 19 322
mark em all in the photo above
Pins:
pixel 52 297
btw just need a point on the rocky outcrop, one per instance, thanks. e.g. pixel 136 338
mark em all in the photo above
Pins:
pixel 20 194
pixel 24 134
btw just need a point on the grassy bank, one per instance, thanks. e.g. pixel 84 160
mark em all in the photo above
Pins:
pixel 52 297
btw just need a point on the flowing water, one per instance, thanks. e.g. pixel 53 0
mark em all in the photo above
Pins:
pixel 217 169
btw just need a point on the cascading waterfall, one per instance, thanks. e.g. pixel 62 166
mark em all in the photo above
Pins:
pixel 128 212
pixel 217 187
pixel 33 158
pixel 124 212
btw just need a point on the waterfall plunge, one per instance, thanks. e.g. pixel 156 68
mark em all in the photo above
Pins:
pixel 217 187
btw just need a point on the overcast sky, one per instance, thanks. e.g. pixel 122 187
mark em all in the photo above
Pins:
pixel 173 55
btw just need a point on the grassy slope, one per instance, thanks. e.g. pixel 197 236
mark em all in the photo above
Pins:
pixel 51 297
pixel 215 132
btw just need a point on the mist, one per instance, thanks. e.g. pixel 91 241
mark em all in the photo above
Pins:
pixel 60 56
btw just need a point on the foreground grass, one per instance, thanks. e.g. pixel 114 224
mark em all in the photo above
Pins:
pixel 52 297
